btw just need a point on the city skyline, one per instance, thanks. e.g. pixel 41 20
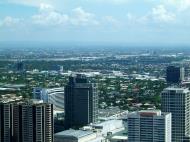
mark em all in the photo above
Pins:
pixel 119 21
pixel 94 70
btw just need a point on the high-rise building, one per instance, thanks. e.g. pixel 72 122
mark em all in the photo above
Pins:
pixel 177 101
pixel 26 122
pixel 81 102
pixel 5 122
pixel 19 66
pixel 174 74
pixel 149 126
pixel 37 93
pixel 53 96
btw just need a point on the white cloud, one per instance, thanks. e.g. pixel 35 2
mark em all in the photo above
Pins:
pixel 49 16
pixel 130 16
pixel 10 21
pixel 45 7
pixel 133 18
pixel 81 17
pixel 35 3
pixel 185 4
pixel 112 21
pixel 160 14
pixel 110 1
pixel 181 5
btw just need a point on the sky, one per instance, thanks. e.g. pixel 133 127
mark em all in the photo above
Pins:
pixel 153 22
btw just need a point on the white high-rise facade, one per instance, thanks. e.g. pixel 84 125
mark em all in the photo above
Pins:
pixel 177 101
pixel 53 96
pixel 149 126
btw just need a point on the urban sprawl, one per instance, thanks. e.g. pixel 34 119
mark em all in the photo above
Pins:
pixel 103 94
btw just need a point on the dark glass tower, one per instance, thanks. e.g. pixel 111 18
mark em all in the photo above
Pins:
pixel 81 102
pixel 174 74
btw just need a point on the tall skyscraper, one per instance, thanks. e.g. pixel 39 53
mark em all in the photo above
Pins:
pixel 5 122
pixel 177 101
pixel 174 74
pixel 149 126
pixel 27 122
pixel 81 102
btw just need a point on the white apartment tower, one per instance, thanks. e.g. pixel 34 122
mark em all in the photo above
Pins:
pixel 53 96
pixel 149 126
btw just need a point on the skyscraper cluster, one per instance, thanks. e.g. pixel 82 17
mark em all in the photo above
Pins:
pixel 32 120
pixel 26 122
pixel 172 123
pixel 23 121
